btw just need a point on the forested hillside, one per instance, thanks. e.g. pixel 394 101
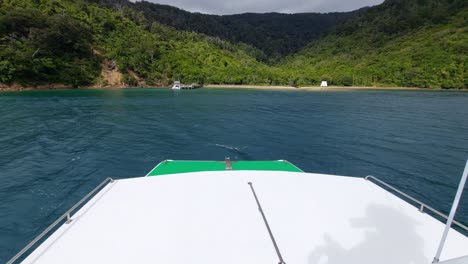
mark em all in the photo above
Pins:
pixel 273 33
pixel 119 43
pixel 399 43
pixel 77 43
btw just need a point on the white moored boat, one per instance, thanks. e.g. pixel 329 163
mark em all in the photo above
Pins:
pixel 176 86
pixel 254 212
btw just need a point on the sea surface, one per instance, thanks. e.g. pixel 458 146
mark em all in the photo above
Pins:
pixel 55 146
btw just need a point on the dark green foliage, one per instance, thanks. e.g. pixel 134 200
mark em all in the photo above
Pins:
pixel 396 17
pixel 399 43
pixel 65 41
pixel 62 35
pixel 274 34
pixel 130 80
pixel 346 80
pixel 37 48
pixel 383 48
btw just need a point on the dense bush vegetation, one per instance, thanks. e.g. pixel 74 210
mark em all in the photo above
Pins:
pixel 402 43
pixel 383 47
pixel 63 41
pixel 41 47
pixel 274 34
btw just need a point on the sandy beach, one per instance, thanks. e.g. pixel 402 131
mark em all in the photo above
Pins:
pixel 16 88
pixel 323 89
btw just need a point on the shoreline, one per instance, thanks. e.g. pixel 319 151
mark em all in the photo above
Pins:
pixel 324 89
pixel 18 88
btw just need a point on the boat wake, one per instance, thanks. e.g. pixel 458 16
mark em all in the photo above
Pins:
pixel 238 151
pixel 230 147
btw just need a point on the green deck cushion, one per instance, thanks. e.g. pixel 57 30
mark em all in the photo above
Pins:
pixel 185 166
pixel 265 165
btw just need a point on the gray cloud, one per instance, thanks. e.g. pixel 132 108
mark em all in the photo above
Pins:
pixel 222 7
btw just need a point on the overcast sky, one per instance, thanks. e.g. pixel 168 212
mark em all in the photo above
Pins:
pixel 222 7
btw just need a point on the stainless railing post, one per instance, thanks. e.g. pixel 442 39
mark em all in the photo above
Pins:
pixel 453 211
pixel 228 163
pixel 68 219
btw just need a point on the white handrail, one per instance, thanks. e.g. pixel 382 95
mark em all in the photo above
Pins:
pixel 453 211
pixel 422 205
pixel 66 215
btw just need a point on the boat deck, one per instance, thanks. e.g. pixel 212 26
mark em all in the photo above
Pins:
pixel 185 166
pixel 212 217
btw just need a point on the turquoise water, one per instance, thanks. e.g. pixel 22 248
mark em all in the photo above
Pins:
pixel 55 146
